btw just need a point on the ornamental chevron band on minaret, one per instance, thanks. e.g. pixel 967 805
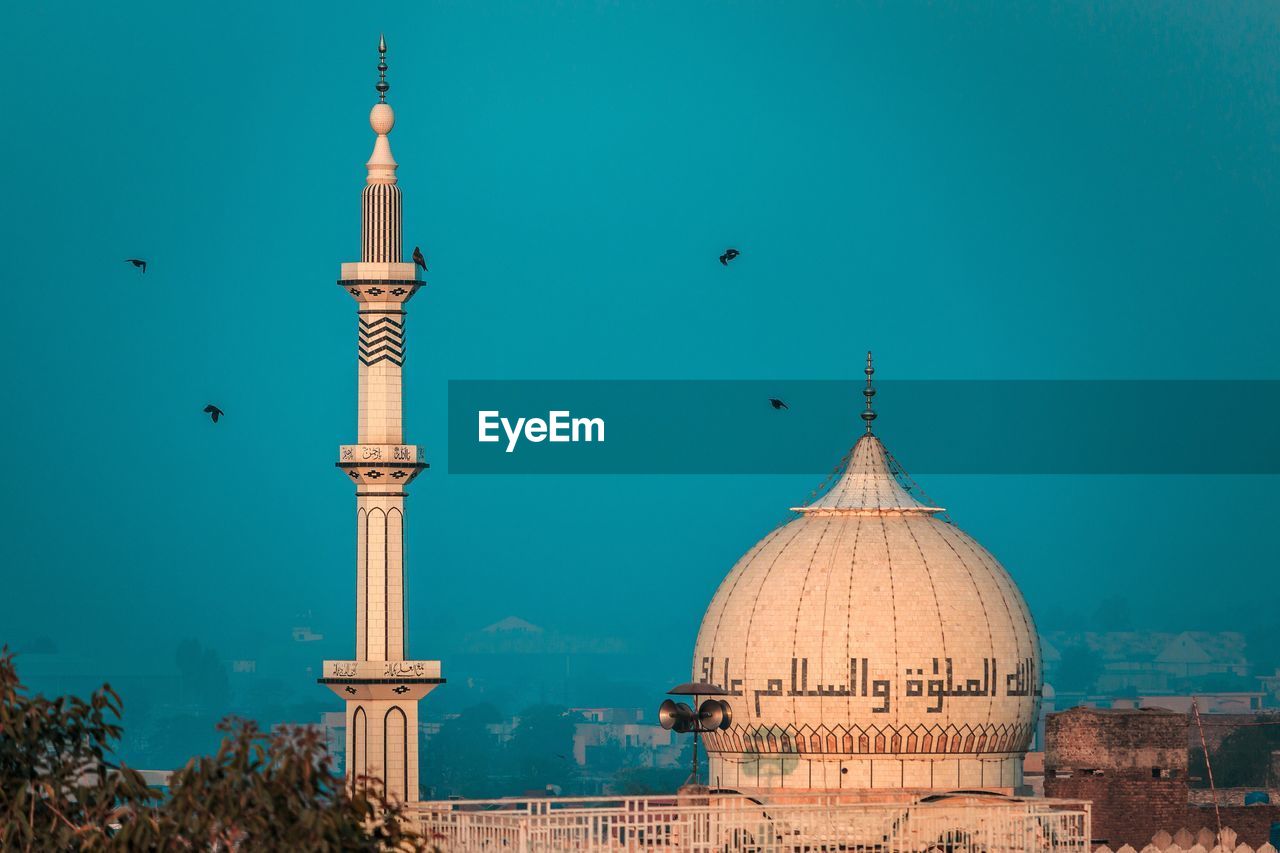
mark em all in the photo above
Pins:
pixel 381 340
pixel 382 685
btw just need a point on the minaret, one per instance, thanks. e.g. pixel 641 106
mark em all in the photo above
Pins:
pixel 381 686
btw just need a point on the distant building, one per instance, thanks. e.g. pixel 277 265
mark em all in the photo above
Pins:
pixel 514 635
pixel 1144 662
pixel 334 724
pixel 624 729
pixel 1208 703
pixel 1033 773
pixel 610 715
pixel 1271 685
pixel 512 624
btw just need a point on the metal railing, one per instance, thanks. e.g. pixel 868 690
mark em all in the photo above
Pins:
pixel 733 822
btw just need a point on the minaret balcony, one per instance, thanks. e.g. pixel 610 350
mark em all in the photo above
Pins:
pixel 381 464
pixel 379 282
pixel 396 680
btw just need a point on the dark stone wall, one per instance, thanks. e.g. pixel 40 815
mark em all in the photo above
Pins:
pixel 1116 739
pixel 1132 766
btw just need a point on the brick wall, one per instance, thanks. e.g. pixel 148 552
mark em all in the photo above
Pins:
pixel 1117 739
pixel 1126 810
pixel 1251 823
pixel 1131 765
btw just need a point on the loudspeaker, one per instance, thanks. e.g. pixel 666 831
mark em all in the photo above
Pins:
pixel 710 715
pixel 727 719
pixel 676 715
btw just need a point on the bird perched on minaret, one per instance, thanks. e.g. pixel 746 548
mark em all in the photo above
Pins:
pixel 419 259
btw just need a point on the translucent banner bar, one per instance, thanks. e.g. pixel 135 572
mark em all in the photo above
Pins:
pixel 932 427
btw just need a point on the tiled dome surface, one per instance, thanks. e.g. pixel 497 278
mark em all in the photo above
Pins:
pixel 869 628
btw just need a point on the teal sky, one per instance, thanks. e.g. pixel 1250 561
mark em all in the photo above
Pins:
pixel 971 190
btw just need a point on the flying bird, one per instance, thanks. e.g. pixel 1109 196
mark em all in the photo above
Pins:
pixel 137 262
pixel 213 411
pixel 777 404
pixel 729 254
pixel 419 259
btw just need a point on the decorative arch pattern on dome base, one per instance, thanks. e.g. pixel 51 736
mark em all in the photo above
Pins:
pixel 872 740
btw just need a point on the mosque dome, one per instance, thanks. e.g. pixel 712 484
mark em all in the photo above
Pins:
pixel 870 643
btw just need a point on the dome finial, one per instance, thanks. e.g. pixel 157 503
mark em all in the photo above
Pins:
pixel 869 415
pixel 383 85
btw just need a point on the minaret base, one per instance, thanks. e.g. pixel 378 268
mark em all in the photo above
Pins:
pixel 382 719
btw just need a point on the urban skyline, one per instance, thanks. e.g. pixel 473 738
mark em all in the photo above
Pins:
pixel 561 605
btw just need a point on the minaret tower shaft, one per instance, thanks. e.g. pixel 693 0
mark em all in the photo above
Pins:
pixel 381 686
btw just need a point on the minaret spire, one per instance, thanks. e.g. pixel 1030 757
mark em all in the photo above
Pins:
pixel 383 85
pixel 381 232
pixel 869 414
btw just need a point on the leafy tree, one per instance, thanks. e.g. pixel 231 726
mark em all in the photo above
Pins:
pixel 1262 645
pixel 610 756
pixel 634 781
pixel 204 678
pixel 1197 771
pixel 1242 759
pixel 270 791
pixel 260 791
pixel 57 789
pixel 542 747
pixel 465 757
